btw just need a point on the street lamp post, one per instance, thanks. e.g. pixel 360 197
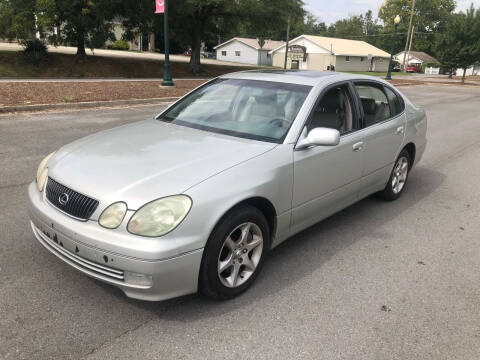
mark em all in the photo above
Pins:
pixel 167 76
pixel 389 73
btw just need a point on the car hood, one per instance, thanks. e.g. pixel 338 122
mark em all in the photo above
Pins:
pixel 147 160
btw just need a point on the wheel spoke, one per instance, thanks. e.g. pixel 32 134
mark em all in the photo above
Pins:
pixel 245 232
pixel 224 265
pixel 230 244
pixel 254 243
pixel 249 265
pixel 233 278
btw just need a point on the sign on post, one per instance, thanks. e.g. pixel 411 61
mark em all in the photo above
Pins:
pixel 159 6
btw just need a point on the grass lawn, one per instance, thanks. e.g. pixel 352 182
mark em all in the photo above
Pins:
pixel 13 65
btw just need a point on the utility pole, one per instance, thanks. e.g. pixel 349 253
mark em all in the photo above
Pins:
pixel 410 34
pixel 411 40
pixel 286 45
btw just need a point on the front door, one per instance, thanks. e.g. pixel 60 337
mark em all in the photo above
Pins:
pixel 326 177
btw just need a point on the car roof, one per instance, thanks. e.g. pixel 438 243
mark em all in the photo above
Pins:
pixel 301 77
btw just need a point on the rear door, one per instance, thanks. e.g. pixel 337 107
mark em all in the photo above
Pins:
pixel 384 123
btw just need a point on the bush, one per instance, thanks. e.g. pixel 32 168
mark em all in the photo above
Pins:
pixel 119 45
pixel 35 51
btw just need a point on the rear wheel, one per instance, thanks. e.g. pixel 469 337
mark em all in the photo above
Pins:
pixel 398 177
pixel 235 253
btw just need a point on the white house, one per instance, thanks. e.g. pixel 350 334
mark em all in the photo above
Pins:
pixel 323 53
pixel 247 51
pixel 418 58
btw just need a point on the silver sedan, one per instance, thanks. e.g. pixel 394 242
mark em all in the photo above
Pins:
pixel 194 199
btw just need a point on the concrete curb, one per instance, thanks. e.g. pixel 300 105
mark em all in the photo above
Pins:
pixel 82 105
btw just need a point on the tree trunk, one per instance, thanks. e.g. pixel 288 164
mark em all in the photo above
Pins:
pixel 195 65
pixel 464 73
pixel 81 45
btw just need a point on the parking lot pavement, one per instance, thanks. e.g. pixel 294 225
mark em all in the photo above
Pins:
pixel 377 281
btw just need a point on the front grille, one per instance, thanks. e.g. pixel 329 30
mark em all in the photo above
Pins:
pixel 69 201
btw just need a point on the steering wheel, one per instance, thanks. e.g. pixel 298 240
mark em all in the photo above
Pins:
pixel 280 122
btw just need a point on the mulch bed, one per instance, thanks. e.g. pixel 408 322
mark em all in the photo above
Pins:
pixel 29 93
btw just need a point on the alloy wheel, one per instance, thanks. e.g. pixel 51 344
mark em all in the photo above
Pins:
pixel 400 172
pixel 240 255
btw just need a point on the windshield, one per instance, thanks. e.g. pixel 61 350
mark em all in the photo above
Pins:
pixel 260 110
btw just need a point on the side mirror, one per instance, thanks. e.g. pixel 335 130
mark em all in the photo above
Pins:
pixel 319 137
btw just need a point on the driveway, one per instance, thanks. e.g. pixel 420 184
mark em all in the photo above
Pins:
pixel 122 54
pixel 379 280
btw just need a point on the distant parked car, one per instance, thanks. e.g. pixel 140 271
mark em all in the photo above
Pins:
pixel 414 69
pixel 196 197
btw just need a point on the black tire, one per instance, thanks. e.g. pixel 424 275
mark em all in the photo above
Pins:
pixel 210 284
pixel 388 193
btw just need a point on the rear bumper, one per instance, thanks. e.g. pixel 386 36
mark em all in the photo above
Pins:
pixel 145 279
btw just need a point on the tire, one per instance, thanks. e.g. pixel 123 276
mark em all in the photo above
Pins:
pixel 241 256
pixel 398 178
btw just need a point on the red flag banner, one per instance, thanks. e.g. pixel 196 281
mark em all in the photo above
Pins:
pixel 159 6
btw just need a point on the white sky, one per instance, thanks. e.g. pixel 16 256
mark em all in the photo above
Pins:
pixel 330 11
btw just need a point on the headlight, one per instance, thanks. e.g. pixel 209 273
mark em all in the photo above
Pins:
pixel 160 216
pixel 113 215
pixel 42 172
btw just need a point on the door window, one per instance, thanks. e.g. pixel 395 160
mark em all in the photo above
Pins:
pixel 335 111
pixel 375 103
pixel 396 103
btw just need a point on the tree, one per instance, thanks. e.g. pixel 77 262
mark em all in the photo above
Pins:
pixel 17 19
pixel 430 17
pixel 82 22
pixel 459 45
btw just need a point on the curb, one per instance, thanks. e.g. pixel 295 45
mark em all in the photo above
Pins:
pixel 83 105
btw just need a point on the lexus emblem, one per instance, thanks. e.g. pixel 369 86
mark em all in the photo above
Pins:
pixel 63 199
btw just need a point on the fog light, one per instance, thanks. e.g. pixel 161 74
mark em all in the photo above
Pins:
pixel 138 279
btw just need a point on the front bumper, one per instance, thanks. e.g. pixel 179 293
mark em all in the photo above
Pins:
pixel 79 245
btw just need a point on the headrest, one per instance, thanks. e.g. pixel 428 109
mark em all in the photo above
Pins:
pixel 369 106
pixel 333 99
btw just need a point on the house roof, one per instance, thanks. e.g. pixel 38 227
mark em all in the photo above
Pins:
pixel 420 55
pixel 344 46
pixel 269 44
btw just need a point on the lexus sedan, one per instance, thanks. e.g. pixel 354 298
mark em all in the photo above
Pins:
pixel 194 199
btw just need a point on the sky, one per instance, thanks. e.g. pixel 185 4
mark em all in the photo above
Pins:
pixel 330 11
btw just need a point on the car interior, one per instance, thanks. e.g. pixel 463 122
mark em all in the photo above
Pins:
pixel 375 104
pixel 334 111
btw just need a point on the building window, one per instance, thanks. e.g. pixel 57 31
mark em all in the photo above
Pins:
pixel 347 58
pixel 224 53
pixel 237 53
pixel 361 59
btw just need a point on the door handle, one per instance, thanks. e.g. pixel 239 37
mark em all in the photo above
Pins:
pixel 400 130
pixel 358 146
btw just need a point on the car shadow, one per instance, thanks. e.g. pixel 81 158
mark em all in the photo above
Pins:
pixel 304 253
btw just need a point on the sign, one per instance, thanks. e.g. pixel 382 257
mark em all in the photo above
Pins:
pixel 297 52
pixel 159 6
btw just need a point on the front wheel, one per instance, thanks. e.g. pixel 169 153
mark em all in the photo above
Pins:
pixel 398 177
pixel 234 254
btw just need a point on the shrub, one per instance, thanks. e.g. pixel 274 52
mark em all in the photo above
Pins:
pixel 119 45
pixel 35 51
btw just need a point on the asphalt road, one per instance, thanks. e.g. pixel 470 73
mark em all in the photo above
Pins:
pixel 377 281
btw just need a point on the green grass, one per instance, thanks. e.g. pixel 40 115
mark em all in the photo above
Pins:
pixel 14 65
pixel 373 73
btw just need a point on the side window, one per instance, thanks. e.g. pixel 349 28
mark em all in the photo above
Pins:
pixel 335 111
pixel 375 103
pixel 396 103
